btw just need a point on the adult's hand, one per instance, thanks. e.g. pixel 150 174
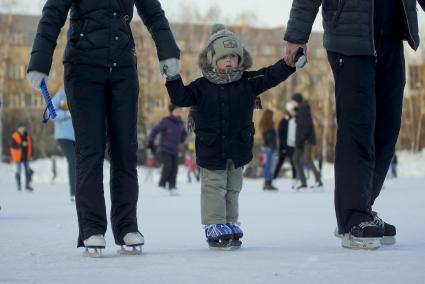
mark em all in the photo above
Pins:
pixel 34 78
pixel 291 51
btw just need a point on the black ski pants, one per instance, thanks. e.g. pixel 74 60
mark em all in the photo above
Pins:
pixel 103 105
pixel 369 98
pixel 170 163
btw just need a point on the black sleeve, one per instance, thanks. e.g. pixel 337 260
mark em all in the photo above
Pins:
pixel 52 20
pixel 181 95
pixel 422 3
pixel 269 77
pixel 152 15
pixel 301 19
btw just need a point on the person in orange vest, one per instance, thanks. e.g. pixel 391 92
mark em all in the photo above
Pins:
pixel 21 152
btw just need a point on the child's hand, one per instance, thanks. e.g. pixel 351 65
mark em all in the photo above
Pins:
pixel 170 67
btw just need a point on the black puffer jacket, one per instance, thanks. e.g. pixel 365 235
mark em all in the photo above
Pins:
pixel 348 24
pixel 305 128
pixel 99 32
pixel 223 120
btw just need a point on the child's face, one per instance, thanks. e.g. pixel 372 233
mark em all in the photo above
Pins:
pixel 227 62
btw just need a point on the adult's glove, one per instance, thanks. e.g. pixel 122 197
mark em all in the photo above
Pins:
pixel 34 78
pixel 170 67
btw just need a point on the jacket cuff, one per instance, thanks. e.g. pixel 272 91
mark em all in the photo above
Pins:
pixel 287 67
pixel 40 62
pixel 173 78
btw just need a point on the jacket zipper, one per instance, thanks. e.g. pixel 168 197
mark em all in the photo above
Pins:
pixel 407 22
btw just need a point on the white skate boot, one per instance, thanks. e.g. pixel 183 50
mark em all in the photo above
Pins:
pixel 135 241
pixel 94 245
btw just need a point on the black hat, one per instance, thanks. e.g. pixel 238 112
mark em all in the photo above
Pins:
pixel 172 107
pixel 297 97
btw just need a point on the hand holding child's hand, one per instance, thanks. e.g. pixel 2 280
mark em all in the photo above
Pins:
pixel 291 52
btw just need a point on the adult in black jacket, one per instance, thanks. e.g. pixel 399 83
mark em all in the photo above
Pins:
pixel 305 139
pixel 101 84
pixel 285 150
pixel 365 50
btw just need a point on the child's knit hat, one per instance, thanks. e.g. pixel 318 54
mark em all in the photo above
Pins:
pixel 223 42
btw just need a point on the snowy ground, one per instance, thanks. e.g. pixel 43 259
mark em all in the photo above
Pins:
pixel 288 236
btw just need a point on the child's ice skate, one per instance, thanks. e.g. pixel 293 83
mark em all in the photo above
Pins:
pixel 94 245
pixel 134 241
pixel 219 236
pixel 237 234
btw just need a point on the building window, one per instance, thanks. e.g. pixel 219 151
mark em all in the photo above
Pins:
pixel 16 71
pixel 14 101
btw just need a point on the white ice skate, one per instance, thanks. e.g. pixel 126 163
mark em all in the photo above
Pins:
pixel 134 241
pixel 94 245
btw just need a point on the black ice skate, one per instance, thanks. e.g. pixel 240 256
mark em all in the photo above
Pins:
pixel 389 230
pixel 237 234
pixel 219 236
pixel 366 235
pixel 94 245
pixel 133 243
pixel 269 186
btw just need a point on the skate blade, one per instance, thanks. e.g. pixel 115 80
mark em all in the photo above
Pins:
pixel 385 241
pixel 236 244
pixel 226 245
pixel 388 240
pixel 130 250
pixel 94 252
pixel 225 248
pixel 351 242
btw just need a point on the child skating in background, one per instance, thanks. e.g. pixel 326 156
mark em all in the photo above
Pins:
pixel 224 98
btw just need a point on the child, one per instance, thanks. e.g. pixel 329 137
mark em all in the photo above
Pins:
pixel 224 98
pixel 172 131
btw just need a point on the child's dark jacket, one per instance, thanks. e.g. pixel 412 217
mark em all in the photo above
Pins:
pixel 223 121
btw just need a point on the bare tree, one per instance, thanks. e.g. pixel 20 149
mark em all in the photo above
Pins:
pixel 6 5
